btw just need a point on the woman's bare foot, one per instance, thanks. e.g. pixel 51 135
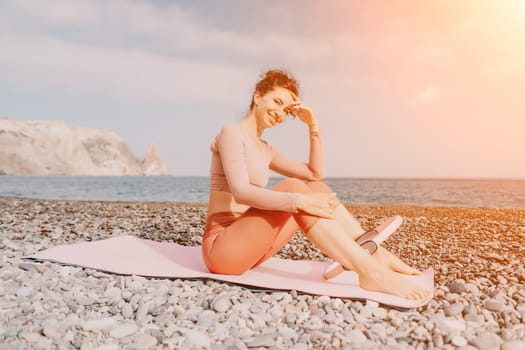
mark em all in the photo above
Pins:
pixel 381 279
pixel 391 261
pixel 383 257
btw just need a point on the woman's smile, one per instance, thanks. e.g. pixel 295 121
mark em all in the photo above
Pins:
pixel 275 118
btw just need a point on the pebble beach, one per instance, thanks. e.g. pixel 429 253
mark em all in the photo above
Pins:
pixel 478 255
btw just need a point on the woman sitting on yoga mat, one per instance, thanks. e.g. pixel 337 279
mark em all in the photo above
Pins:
pixel 247 223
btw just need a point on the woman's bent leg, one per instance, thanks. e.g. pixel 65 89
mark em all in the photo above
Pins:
pixel 330 237
pixel 242 244
pixel 345 218
pixel 354 229
pixel 290 228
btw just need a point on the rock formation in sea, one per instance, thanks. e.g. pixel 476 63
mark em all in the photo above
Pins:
pixel 153 163
pixel 40 147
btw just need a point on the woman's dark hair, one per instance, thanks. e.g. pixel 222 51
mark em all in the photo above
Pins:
pixel 273 78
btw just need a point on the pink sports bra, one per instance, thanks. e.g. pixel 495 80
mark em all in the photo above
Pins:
pixel 240 167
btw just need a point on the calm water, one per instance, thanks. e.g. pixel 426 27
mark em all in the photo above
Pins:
pixel 435 192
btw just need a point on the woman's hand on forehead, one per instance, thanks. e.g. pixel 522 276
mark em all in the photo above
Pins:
pixel 296 103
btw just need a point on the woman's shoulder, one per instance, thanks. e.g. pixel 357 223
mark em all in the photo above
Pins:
pixel 230 132
pixel 231 127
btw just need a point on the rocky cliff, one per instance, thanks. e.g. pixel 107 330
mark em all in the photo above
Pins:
pixel 55 148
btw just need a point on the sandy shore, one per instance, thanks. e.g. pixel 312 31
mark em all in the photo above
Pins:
pixel 478 255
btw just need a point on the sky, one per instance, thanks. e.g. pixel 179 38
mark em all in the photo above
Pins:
pixel 402 89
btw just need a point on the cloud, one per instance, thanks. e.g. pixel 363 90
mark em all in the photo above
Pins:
pixel 54 12
pixel 140 51
pixel 168 30
pixel 429 94
pixel 503 70
pixel 122 73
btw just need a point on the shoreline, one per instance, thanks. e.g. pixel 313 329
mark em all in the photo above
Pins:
pixel 477 254
pixel 201 204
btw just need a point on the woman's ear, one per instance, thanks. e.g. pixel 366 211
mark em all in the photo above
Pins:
pixel 256 99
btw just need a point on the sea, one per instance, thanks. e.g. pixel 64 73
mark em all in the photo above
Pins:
pixel 489 193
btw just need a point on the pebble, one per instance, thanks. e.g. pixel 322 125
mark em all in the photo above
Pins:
pixel 288 333
pixel 123 330
pixel 454 309
pixel 459 341
pixel 450 325
pixel 379 330
pixel 262 340
pixel 126 310
pixel 51 332
pixel 33 337
pixel 438 341
pixel 195 338
pixel 85 301
pixel 513 345
pixel 106 347
pixel 521 310
pixel 113 293
pixel 421 333
pixel 494 305
pixel 143 341
pixel 464 260
pixel 487 341
pixel 99 324
pixel 473 318
pixel 221 304
pixel 356 336
pixel 206 319
pixel 472 288
pixel 457 287
pixel 143 311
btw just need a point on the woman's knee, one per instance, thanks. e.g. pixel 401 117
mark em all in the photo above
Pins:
pixel 291 184
pixel 229 270
pixel 226 268
pixel 319 186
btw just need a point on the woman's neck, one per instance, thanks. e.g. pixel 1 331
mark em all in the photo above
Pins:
pixel 249 125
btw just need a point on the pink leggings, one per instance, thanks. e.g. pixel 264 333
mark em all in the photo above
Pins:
pixel 233 243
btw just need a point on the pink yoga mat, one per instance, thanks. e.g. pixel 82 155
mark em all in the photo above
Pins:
pixel 130 255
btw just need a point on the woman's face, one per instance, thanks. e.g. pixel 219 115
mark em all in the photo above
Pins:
pixel 272 108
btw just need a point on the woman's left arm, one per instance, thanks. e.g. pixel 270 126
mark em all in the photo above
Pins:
pixel 314 169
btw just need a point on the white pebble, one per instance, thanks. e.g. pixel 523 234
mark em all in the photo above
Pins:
pixel 221 304
pixel 99 324
pixel 194 338
pixel 494 305
pixel 356 336
pixel 459 341
pixel 123 330
pixel 113 293
pixel 126 310
pixel 454 309
pixel 108 347
pixel 513 345
pixel 288 333
pixel 263 340
pixel 487 341
pixel 143 341
pixel 450 325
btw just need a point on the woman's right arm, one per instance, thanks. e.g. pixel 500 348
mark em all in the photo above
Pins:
pixel 231 150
